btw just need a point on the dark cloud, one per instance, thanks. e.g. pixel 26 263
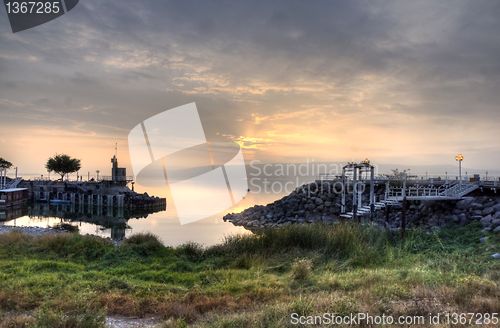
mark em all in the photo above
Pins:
pixel 111 64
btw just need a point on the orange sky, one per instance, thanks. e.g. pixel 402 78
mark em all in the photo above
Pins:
pixel 402 83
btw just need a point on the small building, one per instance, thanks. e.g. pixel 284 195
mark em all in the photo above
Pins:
pixel 118 174
pixel 14 196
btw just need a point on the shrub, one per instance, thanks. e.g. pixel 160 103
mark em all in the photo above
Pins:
pixel 192 251
pixel 350 242
pixel 302 305
pixel 84 317
pixel 144 244
pixel 16 321
pixel 116 283
pixel 73 246
pixel 66 227
pixel 301 269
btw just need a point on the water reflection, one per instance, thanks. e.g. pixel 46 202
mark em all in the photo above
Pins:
pixel 101 218
pixel 119 223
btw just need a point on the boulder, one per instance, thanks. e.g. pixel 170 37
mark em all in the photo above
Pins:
pixel 488 211
pixel 496 230
pixel 464 203
pixel 496 256
pixel 489 203
pixel 318 201
pixel 486 221
pixel 476 206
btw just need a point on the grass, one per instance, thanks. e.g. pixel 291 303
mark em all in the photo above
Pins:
pixel 68 280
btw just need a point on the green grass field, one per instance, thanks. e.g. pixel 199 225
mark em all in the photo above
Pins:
pixel 248 281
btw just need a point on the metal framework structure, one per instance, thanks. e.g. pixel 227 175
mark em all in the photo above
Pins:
pixel 358 173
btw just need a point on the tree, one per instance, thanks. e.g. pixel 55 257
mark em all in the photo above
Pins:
pixel 5 164
pixel 62 165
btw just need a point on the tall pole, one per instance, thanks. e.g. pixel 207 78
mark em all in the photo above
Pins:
pixel 344 186
pixel 372 192
pixel 460 171
pixel 354 192
pixel 459 158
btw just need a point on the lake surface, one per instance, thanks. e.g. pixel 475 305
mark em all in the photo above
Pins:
pixel 117 224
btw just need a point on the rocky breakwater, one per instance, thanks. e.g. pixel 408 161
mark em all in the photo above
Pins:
pixel 436 214
pixel 486 210
pixel 320 202
pixel 314 202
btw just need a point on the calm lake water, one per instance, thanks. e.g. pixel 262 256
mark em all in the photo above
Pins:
pixel 118 225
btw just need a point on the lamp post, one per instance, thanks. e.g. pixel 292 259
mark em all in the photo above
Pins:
pixel 97 172
pixel 459 158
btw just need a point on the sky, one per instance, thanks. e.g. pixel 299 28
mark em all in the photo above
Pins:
pixel 403 82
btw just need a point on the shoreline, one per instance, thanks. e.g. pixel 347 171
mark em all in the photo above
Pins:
pixel 32 231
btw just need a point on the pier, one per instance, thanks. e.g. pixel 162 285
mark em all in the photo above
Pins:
pixel 356 178
pixel 108 191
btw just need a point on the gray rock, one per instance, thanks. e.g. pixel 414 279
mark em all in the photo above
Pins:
pixel 495 222
pixel 318 201
pixel 496 230
pixel 476 206
pixel 465 203
pixel 489 203
pixel 488 211
pixel 486 221
pixel 497 207
pixel 483 239
pixel 496 256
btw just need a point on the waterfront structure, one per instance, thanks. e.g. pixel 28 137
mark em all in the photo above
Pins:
pixel 13 197
pixel 109 191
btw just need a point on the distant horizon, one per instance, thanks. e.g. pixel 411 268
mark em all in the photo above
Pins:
pixel 383 168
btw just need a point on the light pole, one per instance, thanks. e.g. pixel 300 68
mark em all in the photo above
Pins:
pixel 97 172
pixel 459 158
